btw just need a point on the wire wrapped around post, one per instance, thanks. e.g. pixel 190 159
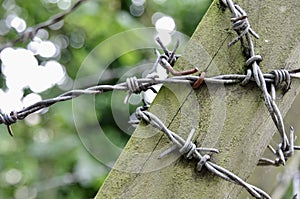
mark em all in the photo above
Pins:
pixel 241 25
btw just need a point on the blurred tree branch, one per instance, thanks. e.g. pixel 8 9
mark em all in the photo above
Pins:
pixel 30 32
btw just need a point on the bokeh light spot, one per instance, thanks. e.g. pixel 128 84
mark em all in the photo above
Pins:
pixel 10 100
pixel 18 24
pixel 46 49
pixel 13 176
pixel 31 99
pixel 138 2
pixel 165 24
pixel 64 4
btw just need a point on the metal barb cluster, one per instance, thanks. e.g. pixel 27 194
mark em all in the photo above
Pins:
pixel 190 150
pixel 8 120
pixel 240 22
pixel 168 59
pixel 185 147
pixel 274 79
pixel 242 26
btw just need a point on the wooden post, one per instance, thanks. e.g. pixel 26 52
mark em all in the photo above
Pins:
pixel 233 119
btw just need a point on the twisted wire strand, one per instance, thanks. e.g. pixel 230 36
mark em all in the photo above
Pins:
pixel 186 147
pixel 284 154
pixel 131 85
pixel 241 25
pixel 190 150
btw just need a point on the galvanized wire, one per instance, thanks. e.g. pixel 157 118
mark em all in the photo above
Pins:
pixel 131 85
pixel 190 150
pixel 241 25
pixel 137 85
pixel 276 78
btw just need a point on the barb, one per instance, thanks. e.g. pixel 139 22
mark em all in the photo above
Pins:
pixel 240 22
pixel 131 85
pixel 190 150
pixel 30 32
pixel 241 25
pixel 168 59
pixel 279 153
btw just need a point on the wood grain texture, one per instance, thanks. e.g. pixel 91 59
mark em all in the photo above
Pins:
pixel 230 118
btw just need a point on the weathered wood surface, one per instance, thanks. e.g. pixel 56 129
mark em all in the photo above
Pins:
pixel 233 119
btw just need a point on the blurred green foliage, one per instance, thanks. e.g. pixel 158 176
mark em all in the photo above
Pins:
pixel 48 160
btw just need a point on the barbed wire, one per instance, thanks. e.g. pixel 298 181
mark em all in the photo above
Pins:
pixel 190 150
pixel 138 85
pixel 187 147
pixel 132 85
pixel 241 25
pixel 276 79
pixel 30 32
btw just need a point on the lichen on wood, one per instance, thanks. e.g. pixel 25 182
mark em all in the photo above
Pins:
pixel 232 118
